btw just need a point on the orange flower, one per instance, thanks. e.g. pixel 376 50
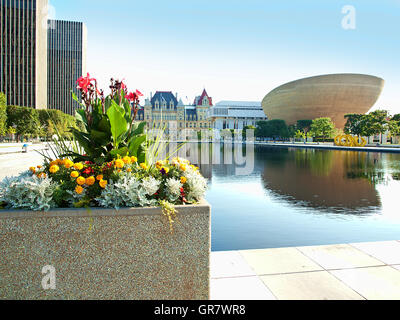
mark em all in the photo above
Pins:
pixel 74 174
pixel 42 175
pixel 143 166
pixel 81 180
pixel 78 166
pixel 68 163
pixel 32 169
pixel 119 163
pixel 90 181
pixel 126 160
pixel 133 159
pixel 54 169
pixel 78 189
pixel 103 183
pixel 99 177
pixel 183 180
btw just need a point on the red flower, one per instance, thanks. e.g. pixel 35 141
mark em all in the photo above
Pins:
pixel 84 83
pixel 88 171
pixel 131 96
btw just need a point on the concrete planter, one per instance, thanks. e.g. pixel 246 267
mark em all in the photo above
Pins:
pixel 106 254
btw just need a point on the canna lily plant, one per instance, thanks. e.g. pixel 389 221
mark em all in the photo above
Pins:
pixel 109 121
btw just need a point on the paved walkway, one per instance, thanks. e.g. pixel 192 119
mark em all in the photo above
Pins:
pixel 355 271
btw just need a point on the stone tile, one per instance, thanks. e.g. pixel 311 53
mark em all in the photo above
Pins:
pixel 244 288
pixel 320 285
pixel 277 261
pixel 341 256
pixel 386 251
pixel 374 283
pixel 228 264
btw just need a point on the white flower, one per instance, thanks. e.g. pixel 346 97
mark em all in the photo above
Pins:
pixel 28 192
pixel 151 185
pixel 173 188
pixel 197 185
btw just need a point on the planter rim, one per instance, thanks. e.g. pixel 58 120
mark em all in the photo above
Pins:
pixel 101 212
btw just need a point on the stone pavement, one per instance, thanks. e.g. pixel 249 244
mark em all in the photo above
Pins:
pixel 356 271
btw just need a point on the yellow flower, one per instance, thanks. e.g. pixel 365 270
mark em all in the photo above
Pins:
pixel 183 167
pixel 99 177
pixel 32 169
pixel 129 170
pixel 54 169
pixel 81 180
pixel 119 171
pixel 143 166
pixel 68 163
pixel 194 168
pixel 133 159
pixel 119 163
pixel 78 189
pixel 53 163
pixel 74 174
pixel 166 169
pixel 90 181
pixel 103 183
pixel 183 180
pixel 78 166
pixel 126 160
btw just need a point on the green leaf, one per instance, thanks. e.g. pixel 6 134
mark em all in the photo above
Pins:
pixel 135 143
pixel 101 138
pixel 138 128
pixel 122 152
pixel 117 121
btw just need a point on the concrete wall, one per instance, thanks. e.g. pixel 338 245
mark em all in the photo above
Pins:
pixel 106 254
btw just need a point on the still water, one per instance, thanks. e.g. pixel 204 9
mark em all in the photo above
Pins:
pixel 301 197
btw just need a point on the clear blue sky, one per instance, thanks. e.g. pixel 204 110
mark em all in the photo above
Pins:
pixel 237 50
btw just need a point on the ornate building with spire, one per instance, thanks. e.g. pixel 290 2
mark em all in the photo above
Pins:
pixel 165 107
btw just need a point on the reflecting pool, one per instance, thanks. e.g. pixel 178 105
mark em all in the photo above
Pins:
pixel 301 197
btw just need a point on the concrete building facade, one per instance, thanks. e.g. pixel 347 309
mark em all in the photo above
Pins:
pixel 23 47
pixel 235 114
pixel 66 63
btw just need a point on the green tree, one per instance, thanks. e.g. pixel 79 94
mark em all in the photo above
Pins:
pixel 272 129
pixel 375 123
pixel 3 114
pixel 354 124
pixel 24 119
pixel 323 127
pixel 304 125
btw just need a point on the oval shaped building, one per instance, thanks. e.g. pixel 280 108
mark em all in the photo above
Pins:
pixel 332 95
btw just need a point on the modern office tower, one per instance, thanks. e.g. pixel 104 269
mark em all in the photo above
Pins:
pixel 23 62
pixel 66 63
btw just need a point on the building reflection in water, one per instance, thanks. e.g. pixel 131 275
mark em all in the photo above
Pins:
pixel 328 180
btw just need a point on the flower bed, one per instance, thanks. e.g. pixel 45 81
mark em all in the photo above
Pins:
pixel 114 248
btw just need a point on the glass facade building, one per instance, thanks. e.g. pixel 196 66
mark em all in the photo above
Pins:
pixel 66 63
pixel 23 47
